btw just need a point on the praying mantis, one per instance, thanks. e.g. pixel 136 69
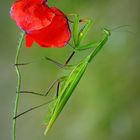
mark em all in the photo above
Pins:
pixel 67 84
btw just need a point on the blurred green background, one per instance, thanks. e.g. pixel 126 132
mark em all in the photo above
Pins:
pixel 106 103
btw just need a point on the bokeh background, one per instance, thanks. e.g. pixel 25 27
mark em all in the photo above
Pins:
pixel 106 103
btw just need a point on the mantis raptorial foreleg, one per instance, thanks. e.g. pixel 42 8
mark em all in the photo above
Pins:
pixel 79 34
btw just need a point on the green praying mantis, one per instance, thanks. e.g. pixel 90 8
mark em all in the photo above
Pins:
pixel 67 84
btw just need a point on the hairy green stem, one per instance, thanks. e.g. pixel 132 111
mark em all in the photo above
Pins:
pixel 18 86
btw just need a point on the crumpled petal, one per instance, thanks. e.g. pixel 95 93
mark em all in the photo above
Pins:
pixel 45 25
pixel 29 41
pixel 57 34
pixel 30 15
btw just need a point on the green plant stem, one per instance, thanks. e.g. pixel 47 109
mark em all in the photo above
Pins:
pixel 18 86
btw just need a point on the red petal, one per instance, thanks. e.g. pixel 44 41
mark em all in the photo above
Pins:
pixel 29 41
pixel 57 34
pixel 31 16
pixel 46 26
pixel 56 11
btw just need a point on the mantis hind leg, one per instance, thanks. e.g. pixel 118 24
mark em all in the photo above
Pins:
pixel 45 58
pixel 61 79
pixel 33 108
pixel 46 103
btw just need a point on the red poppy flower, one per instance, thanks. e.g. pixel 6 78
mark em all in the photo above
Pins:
pixel 45 25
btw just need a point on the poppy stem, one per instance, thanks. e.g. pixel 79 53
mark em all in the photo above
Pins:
pixel 18 86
